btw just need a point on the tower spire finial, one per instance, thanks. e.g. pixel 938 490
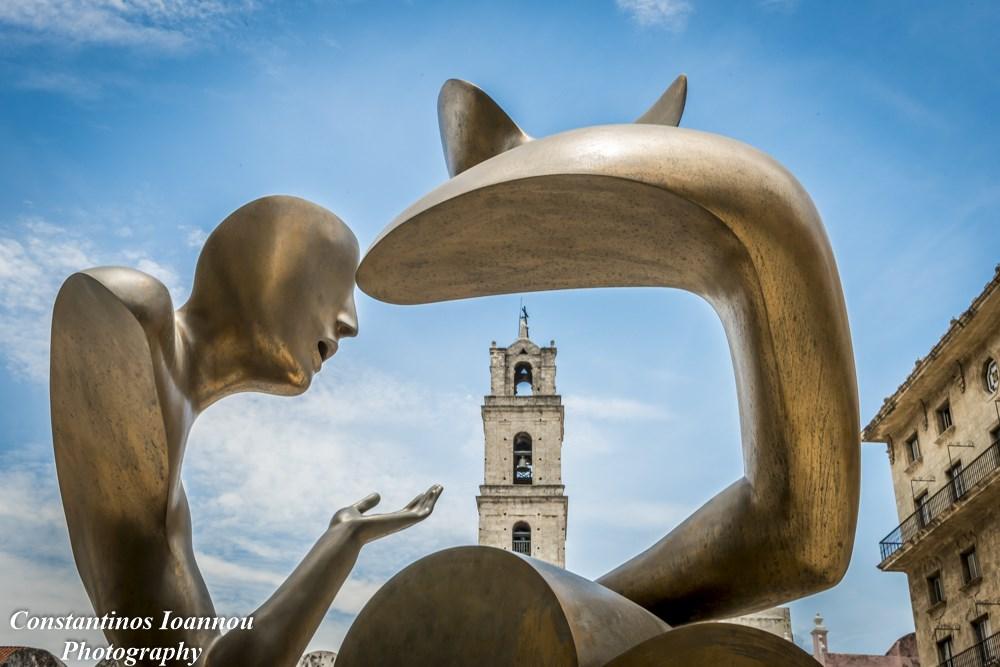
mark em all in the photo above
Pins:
pixel 522 329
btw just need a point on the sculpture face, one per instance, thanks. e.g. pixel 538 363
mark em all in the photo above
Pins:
pixel 276 279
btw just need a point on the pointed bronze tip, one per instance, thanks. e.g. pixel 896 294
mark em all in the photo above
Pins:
pixel 670 107
pixel 473 126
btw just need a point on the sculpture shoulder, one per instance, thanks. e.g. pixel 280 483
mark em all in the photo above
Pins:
pixel 145 297
pixel 108 427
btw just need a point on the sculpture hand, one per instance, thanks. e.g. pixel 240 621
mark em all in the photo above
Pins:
pixel 371 527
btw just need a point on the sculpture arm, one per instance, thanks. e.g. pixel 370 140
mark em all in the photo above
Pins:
pixel 283 626
pixel 786 527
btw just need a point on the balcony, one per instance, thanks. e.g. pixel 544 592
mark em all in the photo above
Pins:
pixel 978 472
pixel 984 654
pixel 522 547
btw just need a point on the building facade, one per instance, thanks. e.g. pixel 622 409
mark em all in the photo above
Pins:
pixel 941 429
pixel 777 621
pixel 902 653
pixel 522 502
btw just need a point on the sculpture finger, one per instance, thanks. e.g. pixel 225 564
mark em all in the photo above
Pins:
pixel 368 502
pixel 430 498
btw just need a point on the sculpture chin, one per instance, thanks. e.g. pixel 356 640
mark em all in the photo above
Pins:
pixel 286 380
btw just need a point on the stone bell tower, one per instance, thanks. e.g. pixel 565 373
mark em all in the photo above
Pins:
pixel 522 502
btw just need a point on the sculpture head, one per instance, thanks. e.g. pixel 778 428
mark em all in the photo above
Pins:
pixel 274 287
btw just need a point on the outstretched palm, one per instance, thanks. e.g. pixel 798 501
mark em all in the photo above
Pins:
pixel 373 526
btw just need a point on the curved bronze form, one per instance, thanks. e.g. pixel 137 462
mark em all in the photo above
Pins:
pixel 273 294
pixel 715 645
pixel 486 606
pixel 649 204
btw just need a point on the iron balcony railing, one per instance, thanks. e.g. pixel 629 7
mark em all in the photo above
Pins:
pixel 985 653
pixel 522 547
pixel 979 469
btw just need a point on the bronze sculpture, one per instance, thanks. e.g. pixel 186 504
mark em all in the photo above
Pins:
pixel 486 606
pixel 644 204
pixel 650 204
pixel 273 295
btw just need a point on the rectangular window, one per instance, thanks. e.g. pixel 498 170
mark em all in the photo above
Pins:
pixel 923 509
pixel 981 631
pixel 944 417
pixel 970 566
pixel 946 651
pixel 956 481
pixel 981 628
pixel 935 588
pixel 912 449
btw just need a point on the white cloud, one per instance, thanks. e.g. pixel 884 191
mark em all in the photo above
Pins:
pixel 163 272
pixel 905 106
pixel 23 501
pixel 61 83
pixel 353 595
pixel 167 25
pixel 672 14
pixel 195 236
pixel 44 590
pixel 36 568
pixel 615 408
pixel 32 267
pixel 635 514
pixel 356 430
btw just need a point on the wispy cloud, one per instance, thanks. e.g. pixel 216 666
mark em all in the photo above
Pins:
pixel 32 266
pixel 60 83
pixel 355 431
pixel 635 514
pixel 168 25
pixel 671 14
pixel 615 408
pixel 195 237
pixel 905 106
pixel 36 567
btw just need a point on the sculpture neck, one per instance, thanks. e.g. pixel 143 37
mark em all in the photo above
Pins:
pixel 212 356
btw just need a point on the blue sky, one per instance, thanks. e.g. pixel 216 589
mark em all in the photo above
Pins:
pixel 129 129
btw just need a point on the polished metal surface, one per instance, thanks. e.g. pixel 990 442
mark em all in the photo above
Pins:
pixel 273 295
pixel 654 205
pixel 486 606
pixel 715 645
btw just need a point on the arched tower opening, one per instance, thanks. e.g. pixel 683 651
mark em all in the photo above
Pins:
pixel 523 469
pixel 523 381
pixel 521 538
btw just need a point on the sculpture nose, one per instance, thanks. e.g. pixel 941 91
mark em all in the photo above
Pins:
pixel 347 325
